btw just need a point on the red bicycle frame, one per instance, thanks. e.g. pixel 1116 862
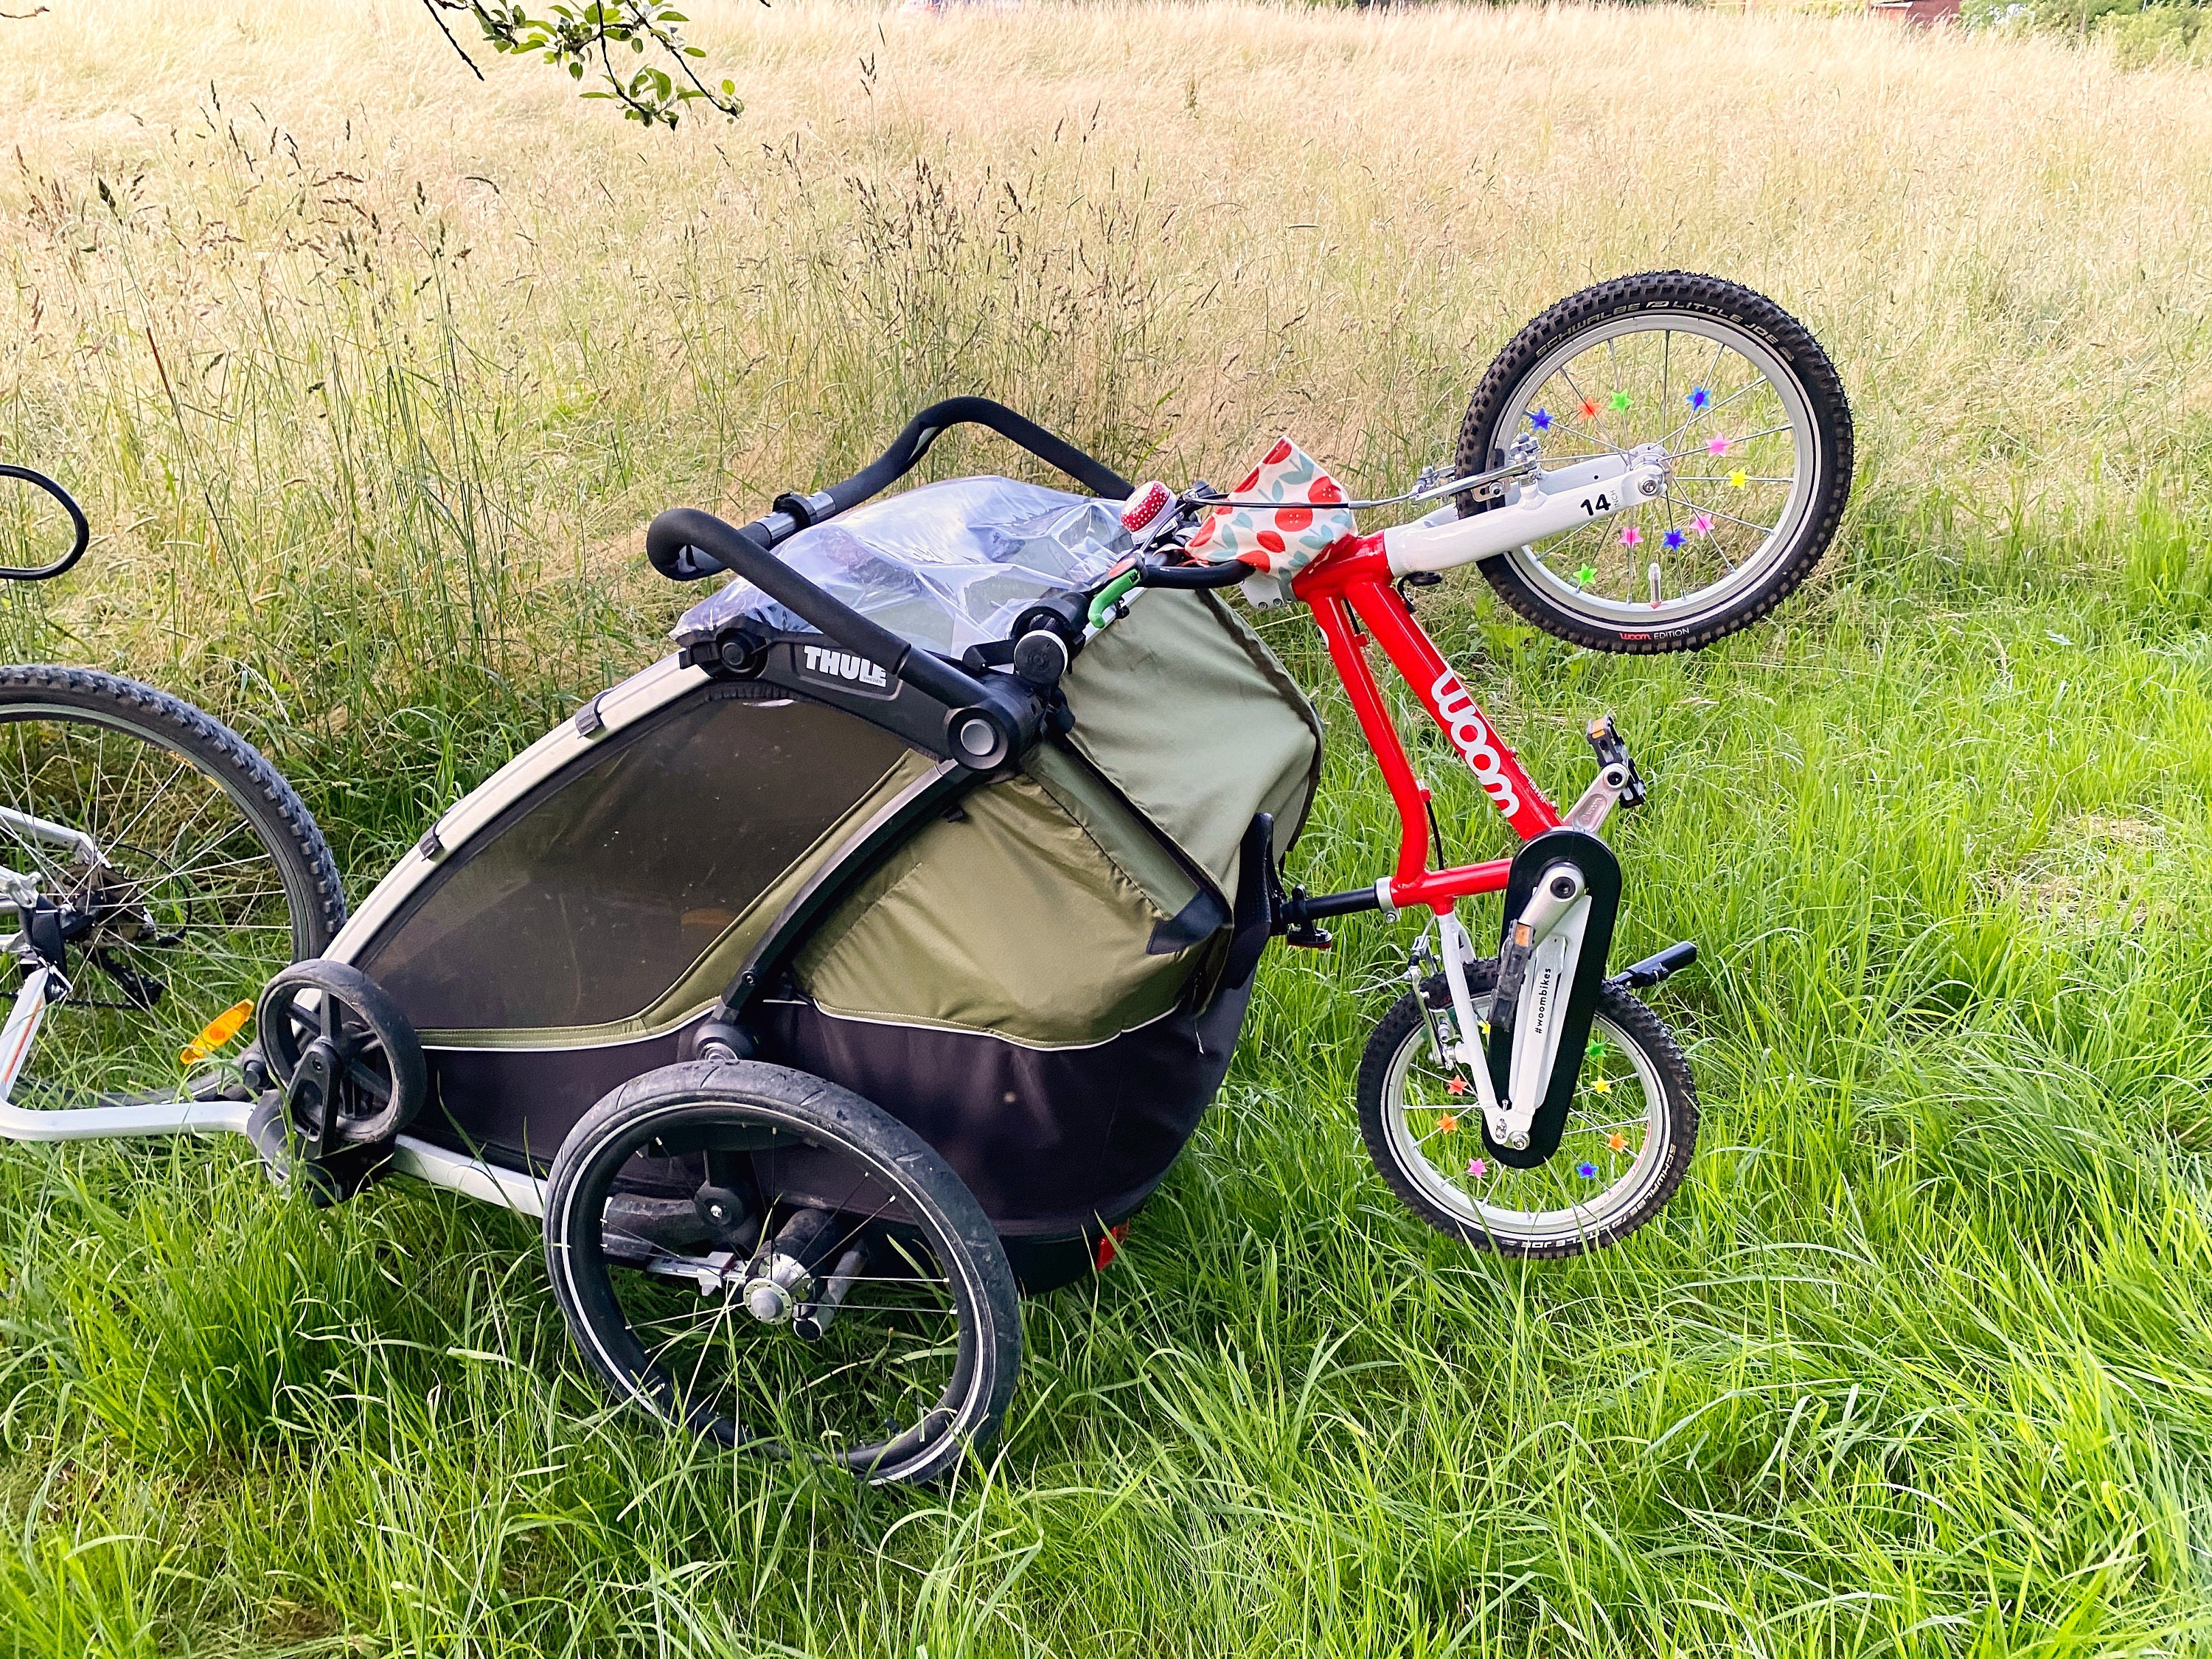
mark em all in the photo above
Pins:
pixel 1349 590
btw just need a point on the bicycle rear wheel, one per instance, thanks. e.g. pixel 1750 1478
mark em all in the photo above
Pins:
pixel 1757 433
pixel 176 867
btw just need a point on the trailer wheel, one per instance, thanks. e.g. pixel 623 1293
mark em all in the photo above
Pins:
pixel 768 1260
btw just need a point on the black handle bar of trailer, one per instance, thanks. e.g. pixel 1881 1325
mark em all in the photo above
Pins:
pixel 792 513
pixel 77 522
pixel 987 724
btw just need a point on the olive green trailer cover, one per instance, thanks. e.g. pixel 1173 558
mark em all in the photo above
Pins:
pixel 1033 981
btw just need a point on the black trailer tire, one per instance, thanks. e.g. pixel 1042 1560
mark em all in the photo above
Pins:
pixel 699 1098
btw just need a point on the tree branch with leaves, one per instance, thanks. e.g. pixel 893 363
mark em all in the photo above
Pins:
pixel 585 40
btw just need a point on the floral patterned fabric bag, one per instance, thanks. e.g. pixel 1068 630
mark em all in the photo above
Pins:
pixel 1278 542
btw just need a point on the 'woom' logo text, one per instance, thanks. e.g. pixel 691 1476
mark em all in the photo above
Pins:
pixel 845 666
pixel 1473 740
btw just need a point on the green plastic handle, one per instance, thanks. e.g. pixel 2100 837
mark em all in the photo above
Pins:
pixel 1101 608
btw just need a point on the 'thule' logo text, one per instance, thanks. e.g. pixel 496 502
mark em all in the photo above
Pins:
pixel 844 666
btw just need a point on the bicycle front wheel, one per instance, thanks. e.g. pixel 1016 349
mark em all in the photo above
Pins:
pixel 1757 434
pixel 173 866
pixel 1626 1147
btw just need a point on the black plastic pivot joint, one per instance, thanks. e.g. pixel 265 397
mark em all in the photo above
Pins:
pixel 997 727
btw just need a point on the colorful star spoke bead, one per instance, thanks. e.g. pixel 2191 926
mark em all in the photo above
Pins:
pixel 1590 409
pixel 1672 539
pixel 1617 1142
pixel 1630 536
pixel 1716 446
pixel 1583 576
pixel 1739 478
pixel 1456 1086
pixel 1447 1125
pixel 1702 524
pixel 1587 1171
pixel 1596 1049
pixel 1697 396
pixel 1600 1085
pixel 1619 400
pixel 1477 1168
pixel 1541 420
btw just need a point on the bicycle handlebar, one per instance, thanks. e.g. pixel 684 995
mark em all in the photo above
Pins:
pixel 743 553
pixel 83 530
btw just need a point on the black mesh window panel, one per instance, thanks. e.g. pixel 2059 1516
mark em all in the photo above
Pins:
pixel 589 905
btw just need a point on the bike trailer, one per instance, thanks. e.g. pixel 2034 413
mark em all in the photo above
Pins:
pixel 1036 975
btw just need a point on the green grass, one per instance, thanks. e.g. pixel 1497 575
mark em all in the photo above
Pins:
pixel 1916 1362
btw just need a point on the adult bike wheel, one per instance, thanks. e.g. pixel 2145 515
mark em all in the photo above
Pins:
pixel 182 870
pixel 770 1260
pixel 1626 1148
pixel 1754 424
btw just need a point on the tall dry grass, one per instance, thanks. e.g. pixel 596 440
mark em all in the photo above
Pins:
pixel 371 373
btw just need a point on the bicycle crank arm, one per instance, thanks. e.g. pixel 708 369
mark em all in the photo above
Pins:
pixel 1543 505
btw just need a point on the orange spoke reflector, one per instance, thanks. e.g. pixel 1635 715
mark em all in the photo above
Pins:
pixel 216 1032
pixel 1617 1141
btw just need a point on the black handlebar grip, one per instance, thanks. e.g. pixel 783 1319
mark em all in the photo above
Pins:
pixel 686 528
pixel 1227 574
pixel 907 450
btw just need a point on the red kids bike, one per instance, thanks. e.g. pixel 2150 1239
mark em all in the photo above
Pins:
pixel 1652 464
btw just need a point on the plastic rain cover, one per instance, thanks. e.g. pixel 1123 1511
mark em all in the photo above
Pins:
pixel 945 566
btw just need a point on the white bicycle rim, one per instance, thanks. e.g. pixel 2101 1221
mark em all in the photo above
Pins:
pixel 1611 1205
pixel 1535 567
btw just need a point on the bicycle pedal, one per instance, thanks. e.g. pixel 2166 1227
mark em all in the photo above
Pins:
pixel 1605 737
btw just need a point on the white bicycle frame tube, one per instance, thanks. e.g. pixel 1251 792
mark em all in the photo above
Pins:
pixel 56 834
pixel 182 1117
pixel 1537 508
pixel 161 1117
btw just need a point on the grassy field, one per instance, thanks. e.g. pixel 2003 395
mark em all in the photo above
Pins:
pixel 370 376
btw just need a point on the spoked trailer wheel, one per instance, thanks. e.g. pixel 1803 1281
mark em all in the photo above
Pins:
pixel 770 1260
